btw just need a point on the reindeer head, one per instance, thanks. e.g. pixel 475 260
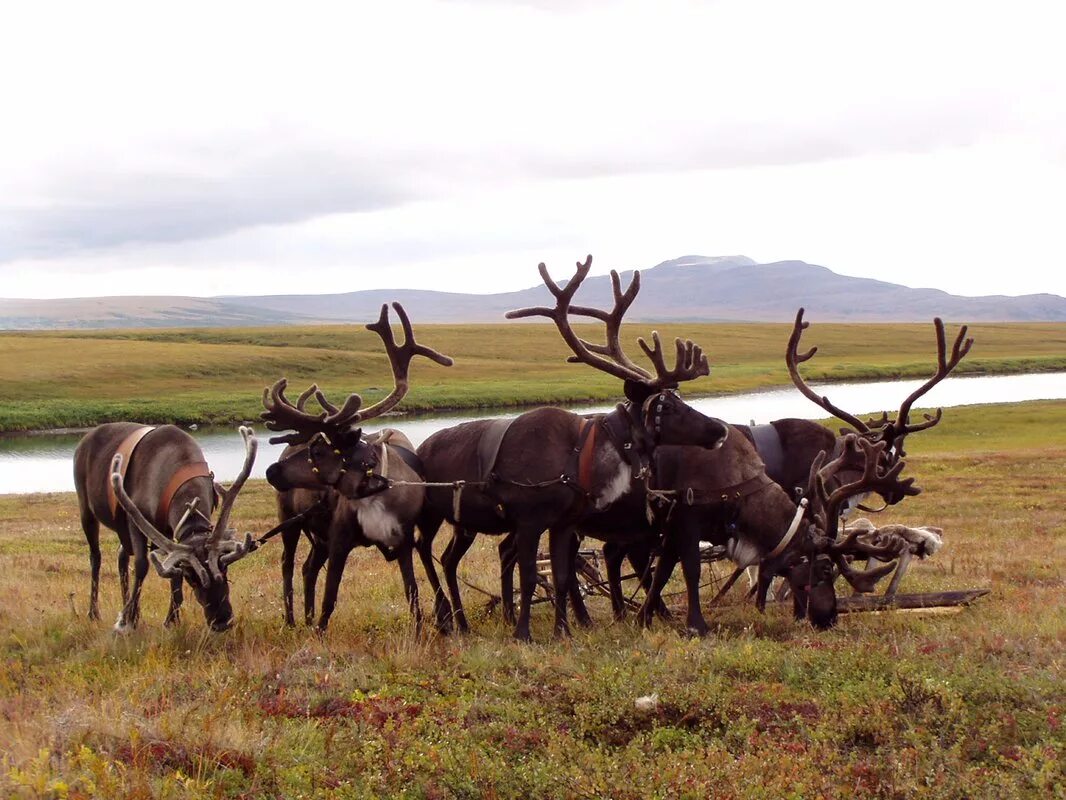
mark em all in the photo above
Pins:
pixel 811 564
pixel 654 399
pixel 334 451
pixel 200 551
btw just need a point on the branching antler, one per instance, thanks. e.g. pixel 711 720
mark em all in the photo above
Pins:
pixel 793 358
pixel 691 363
pixel 282 415
pixel 898 428
pixel 400 358
pixel 828 506
pixel 891 430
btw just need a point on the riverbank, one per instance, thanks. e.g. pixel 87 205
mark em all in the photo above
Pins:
pixel 76 380
pixel 890 705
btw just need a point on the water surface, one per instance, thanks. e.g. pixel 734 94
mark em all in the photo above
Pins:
pixel 43 463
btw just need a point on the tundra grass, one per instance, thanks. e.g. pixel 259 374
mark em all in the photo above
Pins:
pixel 897 705
pixel 78 379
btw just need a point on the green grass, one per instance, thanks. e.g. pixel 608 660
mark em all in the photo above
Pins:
pixel 79 379
pixel 969 705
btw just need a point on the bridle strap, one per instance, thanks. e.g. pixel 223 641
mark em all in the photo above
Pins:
pixel 126 448
pixel 184 474
pixel 801 509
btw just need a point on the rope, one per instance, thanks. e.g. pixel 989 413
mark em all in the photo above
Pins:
pixel 291 522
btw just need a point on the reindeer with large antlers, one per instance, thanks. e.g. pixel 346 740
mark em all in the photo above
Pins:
pixel 789 448
pixel 548 468
pixel 152 486
pixel 370 486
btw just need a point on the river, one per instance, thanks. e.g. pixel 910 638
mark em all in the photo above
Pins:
pixel 43 462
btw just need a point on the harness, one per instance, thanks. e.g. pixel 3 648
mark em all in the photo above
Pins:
pixel 181 476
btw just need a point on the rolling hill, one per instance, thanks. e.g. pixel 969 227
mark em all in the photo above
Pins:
pixel 690 288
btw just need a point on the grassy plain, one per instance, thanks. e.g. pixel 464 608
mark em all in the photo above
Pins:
pixel 898 705
pixel 78 379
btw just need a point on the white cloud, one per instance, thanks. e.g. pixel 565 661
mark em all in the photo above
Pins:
pixel 222 146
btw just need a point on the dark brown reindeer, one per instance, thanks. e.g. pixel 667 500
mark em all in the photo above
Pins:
pixel 547 468
pixel 727 498
pixel 370 485
pixel 789 447
pixel 152 485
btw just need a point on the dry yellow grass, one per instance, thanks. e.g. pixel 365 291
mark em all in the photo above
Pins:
pixel 891 705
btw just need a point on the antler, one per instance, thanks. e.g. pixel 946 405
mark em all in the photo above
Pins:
pixel 282 415
pixel 872 479
pixel 220 530
pixel 399 357
pixel 829 504
pixel 793 359
pixel 173 552
pixel 898 428
pixel 691 363
pixel 892 430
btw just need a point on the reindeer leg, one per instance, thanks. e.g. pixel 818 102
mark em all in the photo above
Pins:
pixel 312 566
pixel 124 550
pixel 613 556
pixel 91 526
pixel 339 548
pixel 290 540
pixel 527 541
pixel 581 612
pixel 691 567
pixel 640 560
pixel 453 554
pixel 663 570
pixel 176 598
pixel 562 555
pixel 131 611
pixel 442 609
pixel 508 550
pixel 410 586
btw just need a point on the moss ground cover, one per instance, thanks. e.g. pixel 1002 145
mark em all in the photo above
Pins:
pixel 890 705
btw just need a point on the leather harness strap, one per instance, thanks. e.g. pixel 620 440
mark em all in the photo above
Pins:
pixel 586 457
pixel 125 448
pixel 184 474
pixel 768 445
pixel 726 494
pixel 489 447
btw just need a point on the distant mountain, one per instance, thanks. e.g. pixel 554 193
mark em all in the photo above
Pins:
pixel 690 288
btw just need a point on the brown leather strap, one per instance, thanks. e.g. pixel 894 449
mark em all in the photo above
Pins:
pixel 194 469
pixel 126 448
pixel 587 457
pixel 726 494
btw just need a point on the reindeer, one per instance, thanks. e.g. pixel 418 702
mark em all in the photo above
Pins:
pixel 789 447
pixel 170 495
pixel 726 497
pixel 371 486
pixel 548 467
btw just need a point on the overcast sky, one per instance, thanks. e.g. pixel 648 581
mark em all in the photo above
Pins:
pixel 230 148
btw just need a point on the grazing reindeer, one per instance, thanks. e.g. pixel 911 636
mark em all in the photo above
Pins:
pixel 170 496
pixel 789 447
pixel 547 468
pixel 371 485
pixel 725 496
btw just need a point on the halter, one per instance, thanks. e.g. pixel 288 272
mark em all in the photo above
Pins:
pixel 652 413
pixel 365 466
